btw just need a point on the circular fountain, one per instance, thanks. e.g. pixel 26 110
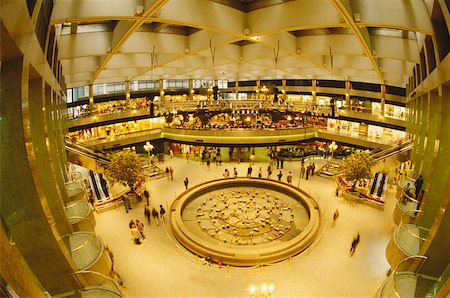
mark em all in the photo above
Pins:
pixel 245 222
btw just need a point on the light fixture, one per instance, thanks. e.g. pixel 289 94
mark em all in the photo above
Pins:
pixel 265 290
pixel 148 147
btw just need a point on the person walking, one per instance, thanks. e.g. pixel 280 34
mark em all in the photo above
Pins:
pixel 289 178
pixel 335 217
pixel 135 233
pixel 307 172
pixel 147 214
pixel 140 227
pixel 171 153
pixel 260 172
pixel 186 183
pixel 171 173
pixel 355 243
pixel 302 170
pixel 162 212
pixel 279 176
pixel 313 168
pixel 249 171
pixel 235 173
pixel 147 196
pixel 155 216
pixel 269 172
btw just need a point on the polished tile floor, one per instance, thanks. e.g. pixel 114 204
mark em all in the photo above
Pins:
pixel 162 268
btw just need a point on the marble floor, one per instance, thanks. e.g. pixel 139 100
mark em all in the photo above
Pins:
pixel 160 267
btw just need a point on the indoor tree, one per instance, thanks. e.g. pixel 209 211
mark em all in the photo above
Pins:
pixel 125 167
pixel 357 167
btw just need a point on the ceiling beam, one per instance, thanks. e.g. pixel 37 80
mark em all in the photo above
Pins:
pixel 348 17
pixel 152 10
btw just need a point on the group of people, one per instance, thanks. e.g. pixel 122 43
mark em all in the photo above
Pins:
pixel 169 173
pixel 306 172
pixel 137 227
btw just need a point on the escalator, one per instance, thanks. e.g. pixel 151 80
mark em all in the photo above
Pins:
pixel 81 154
pixel 92 160
pixel 378 155
pixel 332 168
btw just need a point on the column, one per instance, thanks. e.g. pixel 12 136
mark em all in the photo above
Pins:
pixel 236 89
pixel 383 95
pixel 314 84
pixel 29 215
pixel 347 93
pixel 127 93
pixel 191 89
pixel 91 98
pixel 161 91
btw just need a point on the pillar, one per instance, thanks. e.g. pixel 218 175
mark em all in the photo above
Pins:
pixel 29 213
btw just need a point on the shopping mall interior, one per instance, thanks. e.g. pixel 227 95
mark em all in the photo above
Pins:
pixel 241 118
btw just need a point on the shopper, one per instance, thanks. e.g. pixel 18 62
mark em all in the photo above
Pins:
pixel 155 216
pixel 140 227
pixel 355 243
pixel 171 173
pixel 135 233
pixel 186 183
pixel 226 174
pixel 269 172
pixel 302 170
pixel 249 171
pixel 313 168
pixel 147 214
pixel 147 197
pixel 279 176
pixel 235 173
pixel 335 217
pixel 289 178
pixel 162 212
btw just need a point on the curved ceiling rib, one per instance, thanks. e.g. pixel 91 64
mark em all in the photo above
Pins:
pixel 156 5
pixel 347 15
pixel 369 43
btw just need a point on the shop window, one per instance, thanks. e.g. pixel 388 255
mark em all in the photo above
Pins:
pixel 330 84
pixel 298 82
pixel 247 83
pixel 395 90
pixel 430 53
pixel 366 86
pixel 440 30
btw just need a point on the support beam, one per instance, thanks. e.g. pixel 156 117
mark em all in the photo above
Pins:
pixel 151 11
pixel 347 16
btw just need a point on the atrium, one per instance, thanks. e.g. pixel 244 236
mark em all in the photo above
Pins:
pixel 199 90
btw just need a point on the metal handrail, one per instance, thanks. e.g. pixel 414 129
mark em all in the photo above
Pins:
pixel 83 218
pixel 91 235
pixel 394 273
pixel 73 203
pixel 411 232
pixel 119 292
pixel 409 197
pixel 76 176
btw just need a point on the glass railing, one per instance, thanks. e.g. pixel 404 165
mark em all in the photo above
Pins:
pixel 77 208
pixel 410 237
pixel 98 285
pixel 84 247
pixel 74 185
